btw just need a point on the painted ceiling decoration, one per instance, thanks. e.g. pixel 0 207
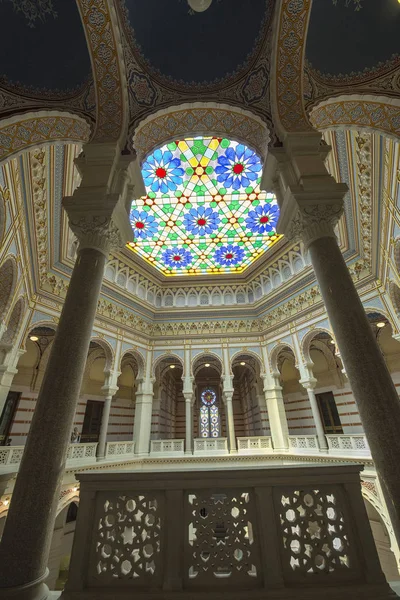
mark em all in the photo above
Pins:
pixel 234 39
pixel 204 212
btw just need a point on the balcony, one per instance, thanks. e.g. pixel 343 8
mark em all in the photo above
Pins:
pixel 296 532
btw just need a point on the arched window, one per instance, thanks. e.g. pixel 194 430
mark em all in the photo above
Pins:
pixel 209 414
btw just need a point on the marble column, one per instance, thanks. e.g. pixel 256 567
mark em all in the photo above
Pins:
pixel 276 414
pixel 228 396
pixel 188 422
pixel 311 203
pixel 143 415
pixel 100 223
pixel 309 385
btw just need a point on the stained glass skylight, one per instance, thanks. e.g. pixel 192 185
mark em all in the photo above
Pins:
pixel 204 212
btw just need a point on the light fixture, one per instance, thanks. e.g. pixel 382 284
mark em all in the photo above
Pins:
pixel 172 366
pixel 207 365
pixel 331 341
pixel 6 502
pixel 199 5
pixel 33 338
pixel 242 363
pixel 75 489
pixel 381 324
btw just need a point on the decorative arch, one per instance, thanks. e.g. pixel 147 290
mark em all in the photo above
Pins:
pixel 138 357
pixel 202 355
pixel 108 351
pixel 201 118
pixel 67 499
pixel 372 113
pixel 163 357
pixel 372 309
pixel 287 69
pixel 306 340
pixel 31 129
pixel 250 353
pixel 14 322
pixel 373 500
pixel 8 280
pixel 274 355
pixel 30 329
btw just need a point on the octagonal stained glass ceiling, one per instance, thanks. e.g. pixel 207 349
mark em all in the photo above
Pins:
pixel 204 212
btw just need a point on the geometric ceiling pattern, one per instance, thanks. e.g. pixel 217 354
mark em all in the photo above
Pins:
pixel 204 212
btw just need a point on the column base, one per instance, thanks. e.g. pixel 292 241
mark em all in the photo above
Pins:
pixel 34 590
pixel 189 452
pixel 99 458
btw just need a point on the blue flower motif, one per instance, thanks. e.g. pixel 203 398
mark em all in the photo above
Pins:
pixel 177 257
pixel 201 220
pixel 161 172
pixel 229 255
pixel 144 225
pixel 263 218
pixel 238 168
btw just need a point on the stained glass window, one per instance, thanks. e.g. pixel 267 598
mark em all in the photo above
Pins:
pixel 204 211
pixel 209 414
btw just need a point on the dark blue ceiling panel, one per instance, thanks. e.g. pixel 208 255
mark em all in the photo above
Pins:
pixel 342 40
pixel 46 53
pixel 199 47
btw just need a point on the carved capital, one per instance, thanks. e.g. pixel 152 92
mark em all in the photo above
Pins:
pixel 101 224
pixel 313 221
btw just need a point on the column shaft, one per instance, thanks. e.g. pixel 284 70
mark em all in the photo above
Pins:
pixel 231 424
pixel 27 533
pixel 370 380
pixel 323 445
pixel 142 425
pixel 277 418
pixel 101 446
pixel 189 426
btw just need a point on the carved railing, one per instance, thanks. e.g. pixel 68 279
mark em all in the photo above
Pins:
pixel 254 445
pixel 210 446
pixel 167 447
pixel 81 451
pixel 292 532
pixel 11 455
pixel 352 444
pixel 303 443
pixel 118 449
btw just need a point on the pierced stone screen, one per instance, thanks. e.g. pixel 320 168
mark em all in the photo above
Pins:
pixel 220 543
pixel 314 533
pixel 128 544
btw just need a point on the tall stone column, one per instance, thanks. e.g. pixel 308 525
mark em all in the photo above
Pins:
pixel 109 390
pixel 143 414
pixel 100 223
pixel 311 203
pixel 8 370
pixel 309 385
pixel 188 422
pixel 227 396
pixel 276 414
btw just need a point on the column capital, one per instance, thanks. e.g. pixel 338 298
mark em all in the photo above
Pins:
pixel 99 222
pixel 188 397
pixel 227 396
pixel 108 391
pixel 309 384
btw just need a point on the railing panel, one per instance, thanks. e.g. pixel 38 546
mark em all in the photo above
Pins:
pixel 254 445
pixel 167 447
pixel 118 449
pixel 244 533
pixel 211 446
pixel 307 444
pixel 351 445
pixel 81 451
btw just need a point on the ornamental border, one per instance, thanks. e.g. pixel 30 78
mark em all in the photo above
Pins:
pixel 33 129
pixel 201 118
pixel 373 113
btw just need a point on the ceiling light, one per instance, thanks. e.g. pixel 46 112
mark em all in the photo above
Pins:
pixel 381 324
pixel 172 366
pixel 207 365
pixel 75 489
pixel 199 5
pixel 33 338
pixel 331 341
pixel 242 363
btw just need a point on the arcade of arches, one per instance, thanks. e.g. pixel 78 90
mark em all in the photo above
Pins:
pixel 197 286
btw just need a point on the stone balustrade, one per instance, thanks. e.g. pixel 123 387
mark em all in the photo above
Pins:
pixel 348 445
pixel 120 449
pixel 210 446
pixel 11 455
pixel 167 447
pixel 254 445
pixel 81 451
pixel 286 532
pixel 303 443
